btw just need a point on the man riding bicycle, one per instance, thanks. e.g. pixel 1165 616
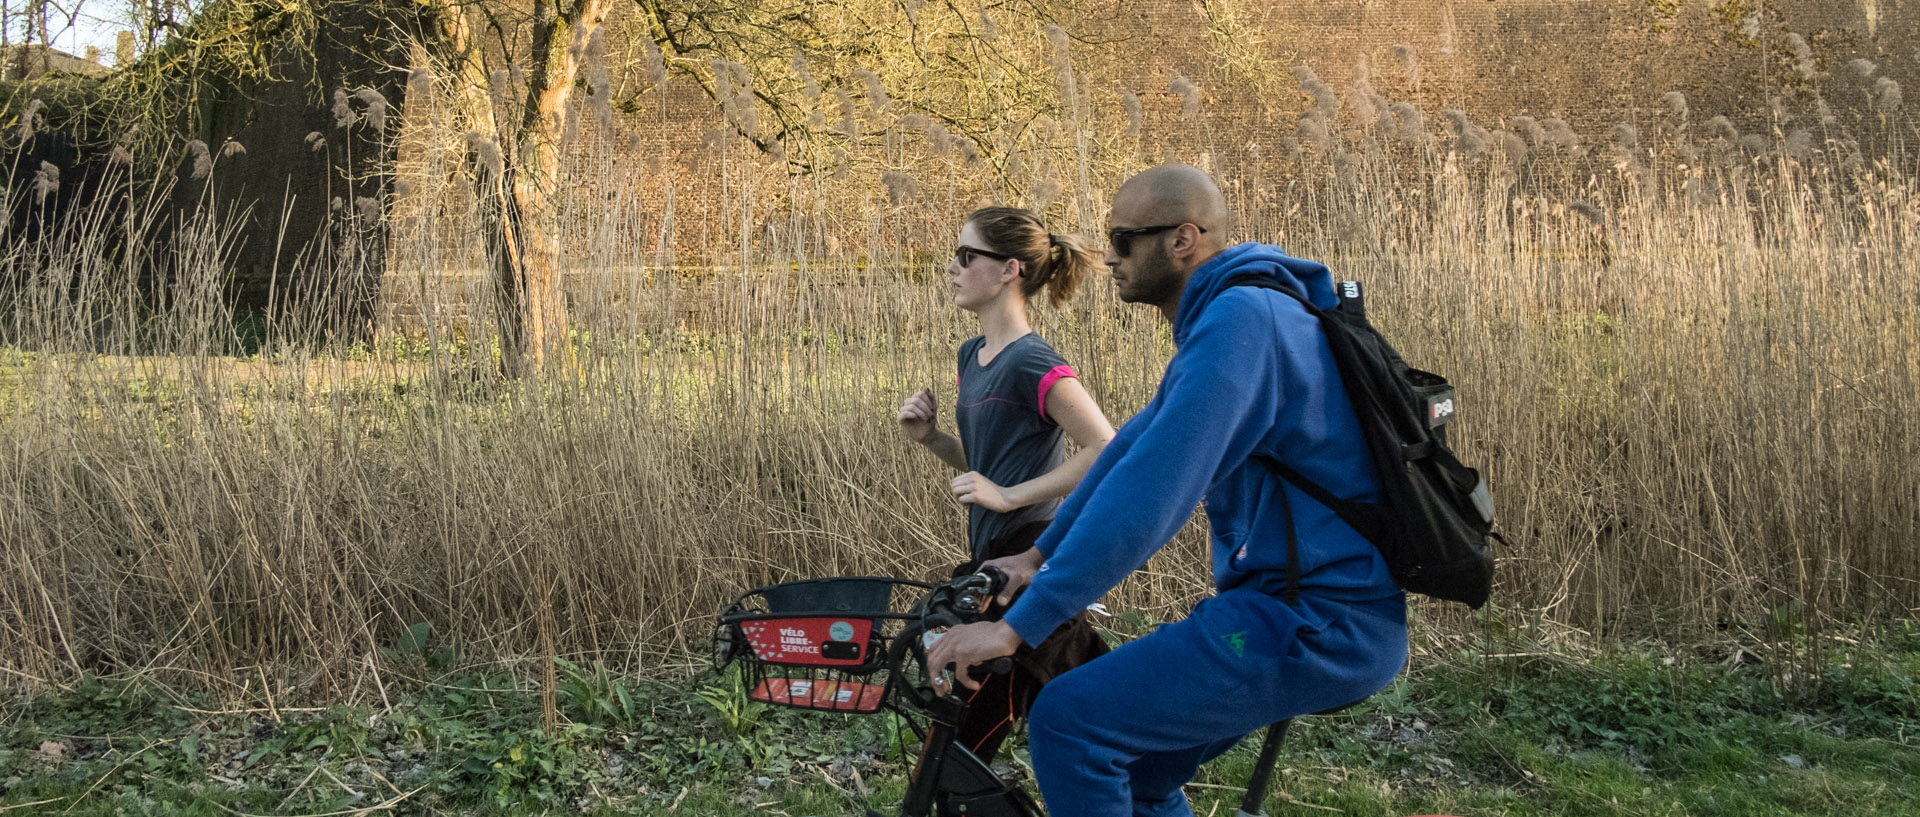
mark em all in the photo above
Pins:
pixel 1292 630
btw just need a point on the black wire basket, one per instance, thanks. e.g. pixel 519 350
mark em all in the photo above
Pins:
pixel 819 644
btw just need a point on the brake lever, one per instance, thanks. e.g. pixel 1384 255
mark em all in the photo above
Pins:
pixel 978 672
pixel 981 593
pixel 965 600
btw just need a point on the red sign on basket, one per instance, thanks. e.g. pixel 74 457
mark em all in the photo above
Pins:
pixel 826 642
pixel 841 696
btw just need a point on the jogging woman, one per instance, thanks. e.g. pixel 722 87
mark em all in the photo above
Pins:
pixel 1017 400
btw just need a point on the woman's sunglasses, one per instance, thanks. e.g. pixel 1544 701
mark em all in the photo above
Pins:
pixel 963 255
pixel 1121 238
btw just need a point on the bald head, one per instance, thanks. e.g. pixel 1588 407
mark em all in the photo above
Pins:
pixel 1174 194
pixel 1166 223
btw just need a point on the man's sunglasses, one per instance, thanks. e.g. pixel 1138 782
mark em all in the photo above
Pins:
pixel 963 255
pixel 1121 238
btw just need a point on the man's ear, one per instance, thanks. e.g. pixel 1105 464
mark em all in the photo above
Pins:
pixel 1186 241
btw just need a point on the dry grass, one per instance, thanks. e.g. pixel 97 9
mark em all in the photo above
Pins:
pixel 1686 366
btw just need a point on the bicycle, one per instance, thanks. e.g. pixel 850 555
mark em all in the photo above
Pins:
pixel 852 645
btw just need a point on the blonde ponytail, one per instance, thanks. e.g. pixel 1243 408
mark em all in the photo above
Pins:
pixel 1057 264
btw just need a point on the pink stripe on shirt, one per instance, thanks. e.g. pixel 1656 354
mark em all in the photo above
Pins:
pixel 1047 382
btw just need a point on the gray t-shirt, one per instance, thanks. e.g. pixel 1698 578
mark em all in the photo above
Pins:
pixel 1001 412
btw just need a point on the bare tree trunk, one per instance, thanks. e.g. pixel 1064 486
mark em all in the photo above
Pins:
pixel 515 179
pixel 46 45
pixel 502 225
pixel 560 37
pixel 486 155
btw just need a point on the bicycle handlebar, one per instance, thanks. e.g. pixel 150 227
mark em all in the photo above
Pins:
pixel 964 600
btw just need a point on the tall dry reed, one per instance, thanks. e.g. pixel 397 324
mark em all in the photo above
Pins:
pixel 1686 361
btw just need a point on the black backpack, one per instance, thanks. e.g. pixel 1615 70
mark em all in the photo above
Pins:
pixel 1435 515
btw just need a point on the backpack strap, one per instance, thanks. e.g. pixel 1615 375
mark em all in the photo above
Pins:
pixel 1299 480
pixel 1353 300
pixel 1321 495
pixel 1358 515
pixel 1293 549
pixel 1261 280
pixel 1355 514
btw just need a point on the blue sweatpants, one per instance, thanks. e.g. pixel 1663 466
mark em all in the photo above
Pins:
pixel 1121 734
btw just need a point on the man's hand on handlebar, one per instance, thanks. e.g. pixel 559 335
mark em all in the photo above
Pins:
pixel 966 646
pixel 1019 568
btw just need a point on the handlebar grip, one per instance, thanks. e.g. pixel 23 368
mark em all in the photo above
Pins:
pixel 997 579
pixel 998 666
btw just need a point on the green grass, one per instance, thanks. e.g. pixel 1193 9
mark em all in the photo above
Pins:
pixel 1632 730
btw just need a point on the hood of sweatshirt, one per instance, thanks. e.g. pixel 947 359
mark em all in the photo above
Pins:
pixel 1308 279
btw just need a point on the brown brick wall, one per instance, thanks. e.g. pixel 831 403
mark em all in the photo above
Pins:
pixel 1592 62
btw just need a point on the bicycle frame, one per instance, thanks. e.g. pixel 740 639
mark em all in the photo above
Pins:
pixel 948 778
pixel 844 640
pixel 842 645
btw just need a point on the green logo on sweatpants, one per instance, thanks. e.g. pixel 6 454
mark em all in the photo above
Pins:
pixel 1238 641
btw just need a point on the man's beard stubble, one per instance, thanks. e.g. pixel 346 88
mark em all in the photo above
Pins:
pixel 1151 281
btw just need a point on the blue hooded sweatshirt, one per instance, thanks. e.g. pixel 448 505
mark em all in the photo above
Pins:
pixel 1251 373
